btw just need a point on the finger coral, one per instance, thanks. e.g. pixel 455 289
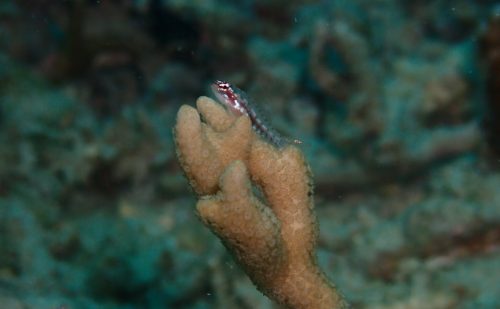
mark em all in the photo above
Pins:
pixel 274 241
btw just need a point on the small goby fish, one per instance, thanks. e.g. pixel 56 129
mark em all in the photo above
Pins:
pixel 237 102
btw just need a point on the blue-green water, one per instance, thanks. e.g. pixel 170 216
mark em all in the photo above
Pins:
pixel 395 102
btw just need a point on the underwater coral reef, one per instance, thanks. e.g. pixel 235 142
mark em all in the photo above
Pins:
pixel 395 103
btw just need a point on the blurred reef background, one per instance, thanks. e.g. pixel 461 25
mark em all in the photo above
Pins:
pixel 397 104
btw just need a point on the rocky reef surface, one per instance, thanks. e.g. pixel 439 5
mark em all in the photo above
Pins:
pixel 395 104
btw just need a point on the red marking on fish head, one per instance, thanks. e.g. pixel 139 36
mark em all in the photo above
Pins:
pixel 226 95
pixel 224 92
pixel 221 87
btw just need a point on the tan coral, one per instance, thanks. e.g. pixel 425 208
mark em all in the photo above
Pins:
pixel 206 148
pixel 274 242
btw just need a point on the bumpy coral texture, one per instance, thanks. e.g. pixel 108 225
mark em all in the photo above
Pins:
pixel 274 241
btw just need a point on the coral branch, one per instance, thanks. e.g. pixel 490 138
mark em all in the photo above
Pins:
pixel 245 225
pixel 205 149
pixel 273 242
